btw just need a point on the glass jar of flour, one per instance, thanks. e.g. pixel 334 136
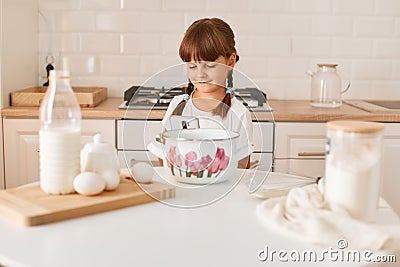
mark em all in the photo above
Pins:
pixel 353 167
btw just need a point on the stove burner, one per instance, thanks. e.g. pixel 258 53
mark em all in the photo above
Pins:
pixel 137 97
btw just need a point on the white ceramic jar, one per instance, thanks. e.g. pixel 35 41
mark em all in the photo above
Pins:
pixel 353 167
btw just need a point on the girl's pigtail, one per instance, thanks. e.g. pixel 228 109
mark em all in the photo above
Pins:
pixel 179 108
pixel 223 108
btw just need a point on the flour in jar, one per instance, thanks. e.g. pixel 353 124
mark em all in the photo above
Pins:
pixel 352 179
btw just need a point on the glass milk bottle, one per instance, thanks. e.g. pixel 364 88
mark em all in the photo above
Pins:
pixel 353 167
pixel 59 136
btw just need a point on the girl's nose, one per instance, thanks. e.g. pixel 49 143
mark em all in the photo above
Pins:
pixel 202 72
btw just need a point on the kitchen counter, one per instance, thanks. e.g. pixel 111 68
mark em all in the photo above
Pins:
pixel 283 110
pixel 224 233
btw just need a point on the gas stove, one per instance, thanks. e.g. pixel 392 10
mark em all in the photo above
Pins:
pixel 139 97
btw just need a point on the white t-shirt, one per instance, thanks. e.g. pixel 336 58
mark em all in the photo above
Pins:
pixel 238 119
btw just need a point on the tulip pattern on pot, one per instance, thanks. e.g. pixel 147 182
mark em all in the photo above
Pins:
pixel 193 166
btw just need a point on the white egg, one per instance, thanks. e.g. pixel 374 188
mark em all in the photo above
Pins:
pixel 111 177
pixel 89 183
pixel 142 172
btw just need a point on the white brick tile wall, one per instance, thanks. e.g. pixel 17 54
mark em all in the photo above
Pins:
pixel 386 90
pixel 59 4
pixel 79 64
pixel 142 44
pixel 332 25
pixel 118 21
pixel 287 67
pixel 269 5
pixel 178 5
pixel 170 44
pixel 70 42
pixel 372 70
pixel 148 5
pixel 223 5
pixel 297 88
pixel 160 22
pixel 387 7
pixel 150 65
pixel 290 24
pixel 263 46
pixel 396 71
pixel 100 4
pixel 119 65
pixel 75 21
pixel 256 24
pixel 352 47
pixel 397 27
pixel 100 43
pixel 358 89
pixel 112 83
pixel 313 6
pixel 374 26
pixel 117 43
pixel 253 67
pixel 311 46
pixel 387 48
pixel 354 7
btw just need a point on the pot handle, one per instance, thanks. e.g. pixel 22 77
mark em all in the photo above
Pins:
pixel 156 148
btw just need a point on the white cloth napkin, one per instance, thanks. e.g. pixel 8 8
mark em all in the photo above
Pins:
pixel 303 213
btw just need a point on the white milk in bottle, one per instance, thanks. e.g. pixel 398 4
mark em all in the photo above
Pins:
pixel 353 167
pixel 59 136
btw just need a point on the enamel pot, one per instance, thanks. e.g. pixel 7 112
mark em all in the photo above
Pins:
pixel 199 156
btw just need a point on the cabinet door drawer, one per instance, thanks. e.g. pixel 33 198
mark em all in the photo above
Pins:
pixel 300 140
pixel 136 134
pixel 263 136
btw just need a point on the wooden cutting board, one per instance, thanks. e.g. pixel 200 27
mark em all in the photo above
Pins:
pixel 31 206
pixel 33 96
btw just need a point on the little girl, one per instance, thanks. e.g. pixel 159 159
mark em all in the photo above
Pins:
pixel 208 48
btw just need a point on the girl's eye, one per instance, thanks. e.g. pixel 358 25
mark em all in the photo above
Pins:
pixel 192 66
pixel 211 65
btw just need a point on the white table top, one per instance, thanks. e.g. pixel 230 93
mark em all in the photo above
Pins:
pixel 225 233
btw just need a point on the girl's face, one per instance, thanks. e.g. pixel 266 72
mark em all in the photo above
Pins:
pixel 208 76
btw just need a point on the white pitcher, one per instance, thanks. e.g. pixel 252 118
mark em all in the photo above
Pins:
pixel 326 86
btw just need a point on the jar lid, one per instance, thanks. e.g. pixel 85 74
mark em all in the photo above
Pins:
pixel 353 126
pixel 327 65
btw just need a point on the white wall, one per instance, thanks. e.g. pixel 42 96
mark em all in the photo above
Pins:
pixel 18 53
pixel 19 46
pixel 117 43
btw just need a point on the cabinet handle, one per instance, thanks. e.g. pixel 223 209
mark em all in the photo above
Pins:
pixel 311 154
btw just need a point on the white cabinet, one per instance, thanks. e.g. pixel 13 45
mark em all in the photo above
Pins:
pixel 134 135
pixel 300 148
pixel 21 146
pixel 391 178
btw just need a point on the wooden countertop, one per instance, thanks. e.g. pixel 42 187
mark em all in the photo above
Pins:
pixel 283 110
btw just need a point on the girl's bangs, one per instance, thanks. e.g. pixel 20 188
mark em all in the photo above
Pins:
pixel 197 47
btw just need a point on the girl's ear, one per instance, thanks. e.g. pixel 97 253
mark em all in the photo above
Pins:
pixel 232 60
